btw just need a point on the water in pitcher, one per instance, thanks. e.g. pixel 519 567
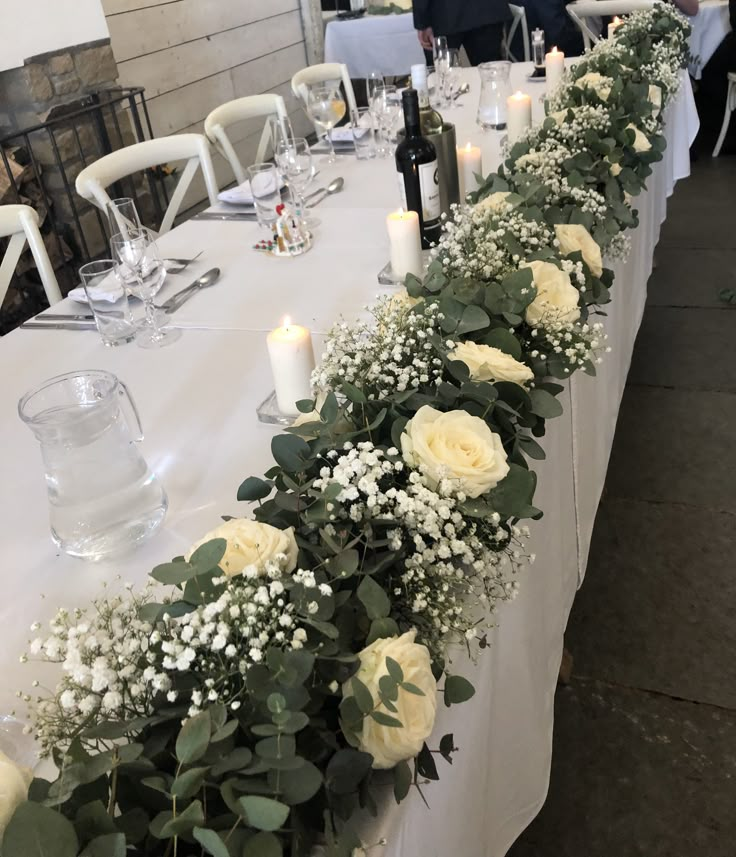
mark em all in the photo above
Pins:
pixel 103 498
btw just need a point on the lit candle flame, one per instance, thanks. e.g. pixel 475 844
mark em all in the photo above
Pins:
pixel 554 50
pixel 468 147
pixel 519 95
pixel 617 20
pixel 286 322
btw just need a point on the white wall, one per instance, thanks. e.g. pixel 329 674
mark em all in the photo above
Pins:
pixel 37 26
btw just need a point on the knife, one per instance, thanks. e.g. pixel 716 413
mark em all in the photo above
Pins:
pixel 40 324
pixel 182 296
pixel 50 316
pixel 235 215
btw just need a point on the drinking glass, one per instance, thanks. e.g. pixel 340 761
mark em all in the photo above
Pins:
pixel 495 88
pixel 326 107
pixel 442 66
pixel 373 82
pixel 108 301
pixel 294 160
pixel 265 187
pixel 364 136
pixel 143 272
pixel 439 46
pixel 451 77
pixel 280 129
pixel 386 110
pixel 122 215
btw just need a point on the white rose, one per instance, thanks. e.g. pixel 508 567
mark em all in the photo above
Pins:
pixel 641 143
pixel 655 98
pixel 560 116
pixel 556 298
pixel 599 83
pixel 532 159
pixel 616 169
pixel 491 364
pixel 496 202
pixel 250 543
pixel 14 782
pixel 574 237
pixel 454 445
pixel 390 745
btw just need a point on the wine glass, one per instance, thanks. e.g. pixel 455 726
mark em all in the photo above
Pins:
pixel 326 107
pixel 451 76
pixel 122 215
pixel 142 271
pixel 373 82
pixel 383 105
pixel 442 66
pixel 280 129
pixel 294 160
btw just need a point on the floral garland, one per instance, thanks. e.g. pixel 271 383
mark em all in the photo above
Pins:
pixel 247 700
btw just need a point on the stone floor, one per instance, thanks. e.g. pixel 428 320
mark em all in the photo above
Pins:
pixel 644 761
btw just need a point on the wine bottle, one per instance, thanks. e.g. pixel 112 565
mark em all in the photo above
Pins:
pixel 416 164
pixel 430 121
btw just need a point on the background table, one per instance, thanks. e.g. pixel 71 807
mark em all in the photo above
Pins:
pixel 384 43
pixel 710 26
pixel 197 401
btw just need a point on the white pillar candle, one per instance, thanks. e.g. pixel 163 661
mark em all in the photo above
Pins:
pixel 406 245
pixel 469 162
pixel 613 26
pixel 520 115
pixel 555 68
pixel 292 362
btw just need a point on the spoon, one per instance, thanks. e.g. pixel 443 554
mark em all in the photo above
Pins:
pixel 335 186
pixel 180 298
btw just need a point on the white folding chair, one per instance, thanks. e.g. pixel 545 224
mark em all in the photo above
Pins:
pixel 239 110
pixel 582 10
pixel 730 107
pixel 20 224
pixel 93 181
pixel 518 15
pixel 321 74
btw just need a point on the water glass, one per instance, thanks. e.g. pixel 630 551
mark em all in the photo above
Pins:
pixel 364 136
pixel 265 187
pixel 373 82
pixel 495 88
pixel 386 110
pixel 143 272
pixel 108 301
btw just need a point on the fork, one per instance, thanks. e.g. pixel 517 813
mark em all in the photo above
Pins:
pixel 176 266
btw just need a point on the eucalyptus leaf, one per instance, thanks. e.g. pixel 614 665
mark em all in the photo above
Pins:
pixel 373 598
pixel 254 488
pixel 194 738
pixel 38 831
pixel 210 841
pixel 263 845
pixel 457 689
pixel 107 845
pixel 263 813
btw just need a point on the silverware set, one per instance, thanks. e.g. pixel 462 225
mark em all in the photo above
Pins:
pixel 85 321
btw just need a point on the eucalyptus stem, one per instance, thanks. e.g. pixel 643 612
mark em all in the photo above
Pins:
pixel 113 785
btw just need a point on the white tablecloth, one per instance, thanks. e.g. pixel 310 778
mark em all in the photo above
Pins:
pixel 197 400
pixel 710 26
pixel 384 43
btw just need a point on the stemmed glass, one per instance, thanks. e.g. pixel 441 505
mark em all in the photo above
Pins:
pixel 326 107
pixel 294 160
pixel 373 82
pixel 450 76
pixel 142 272
pixel 442 66
pixel 122 215
pixel 386 108
pixel 280 129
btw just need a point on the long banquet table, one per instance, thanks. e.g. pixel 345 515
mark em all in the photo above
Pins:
pixel 197 400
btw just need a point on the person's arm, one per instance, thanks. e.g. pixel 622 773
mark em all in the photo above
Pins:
pixel 689 7
pixel 423 23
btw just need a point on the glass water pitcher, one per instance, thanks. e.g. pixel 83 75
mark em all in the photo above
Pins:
pixel 103 497
pixel 495 88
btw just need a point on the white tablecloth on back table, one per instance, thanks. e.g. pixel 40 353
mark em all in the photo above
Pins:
pixel 384 43
pixel 197 400
pixel 710 26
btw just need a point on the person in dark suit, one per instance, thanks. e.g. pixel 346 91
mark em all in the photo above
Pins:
pixel 476 25
pixel 559 29
pixel 713 90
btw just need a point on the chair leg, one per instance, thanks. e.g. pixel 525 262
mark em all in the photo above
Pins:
pixel 730 106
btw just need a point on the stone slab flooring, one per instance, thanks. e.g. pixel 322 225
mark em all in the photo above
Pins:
pixel 644 760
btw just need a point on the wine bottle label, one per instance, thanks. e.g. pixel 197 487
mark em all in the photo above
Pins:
pixel 429 184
